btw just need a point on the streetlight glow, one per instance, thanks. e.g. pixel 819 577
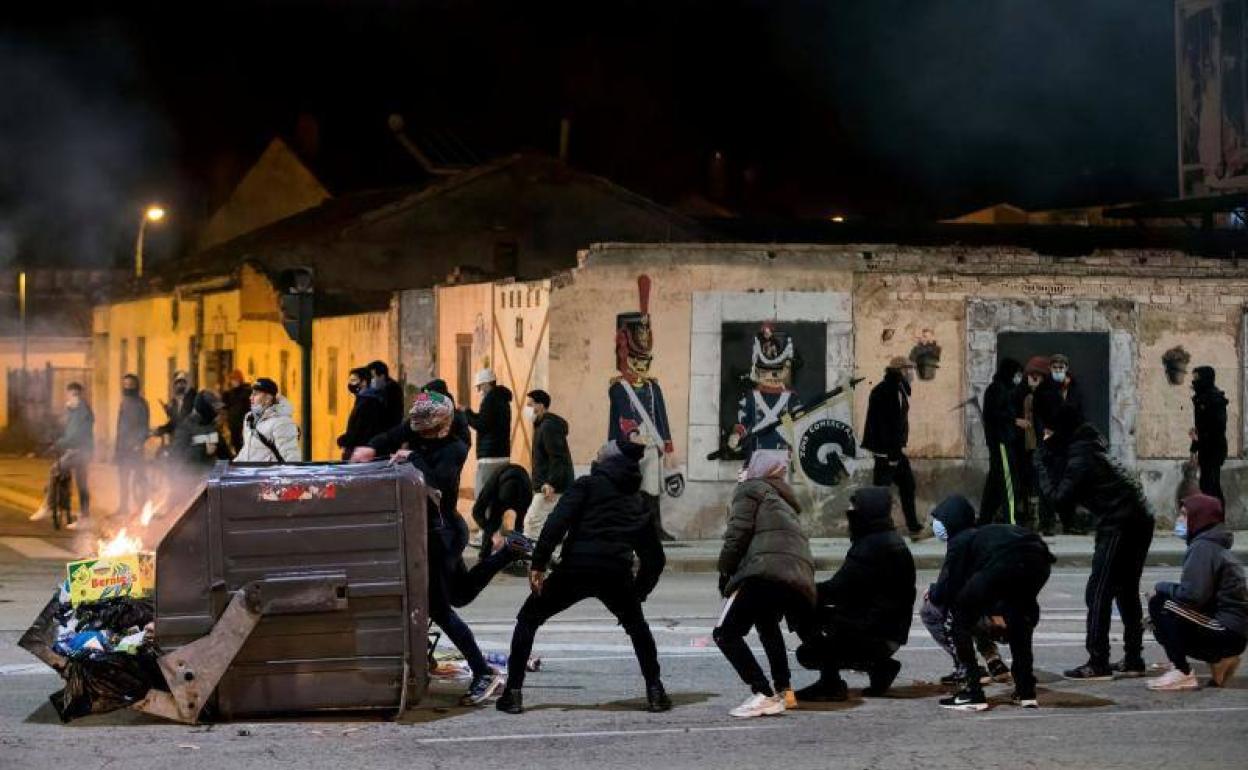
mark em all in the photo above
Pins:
pixel 155 213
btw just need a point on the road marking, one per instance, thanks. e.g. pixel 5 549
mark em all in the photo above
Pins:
pixel 1085 714
pixel 25 668
pixel 37 548
pixel 596 734
pixel 503 645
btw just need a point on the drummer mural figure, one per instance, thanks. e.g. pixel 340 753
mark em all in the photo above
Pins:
pixel 637 405
pixel 771 395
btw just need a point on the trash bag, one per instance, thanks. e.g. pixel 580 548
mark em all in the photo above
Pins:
pixel 40 639
pixel 100 682
pixel 116 615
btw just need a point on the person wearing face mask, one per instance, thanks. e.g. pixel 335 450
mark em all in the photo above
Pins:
pixel 998 498
pixel 956 513
pixel 1059 391
pixel 1209 434
pixel 73 450
pixel 368 413
pixel 603 525
pixel 994 570
pixel 1074 467
pixel 886 434
pixel 863 612
pixel 552 460
pixel 134 426
pixel 1027 433
pixel 424 439
pixel 269 432
pixel 180 405
pixel 1204 615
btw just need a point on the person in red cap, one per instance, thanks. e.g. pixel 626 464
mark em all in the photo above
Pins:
pixel 1205 614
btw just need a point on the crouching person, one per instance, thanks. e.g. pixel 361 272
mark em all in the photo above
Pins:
pixel 1205 614
pixel 864 610
pixel 766 573
pixel 1000 570
pixel 601 522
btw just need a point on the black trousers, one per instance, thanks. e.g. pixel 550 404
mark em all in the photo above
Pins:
pixel 1183 637
pixel 78 464
pixel 131 481
pixel 448 588
pixel 564 588
pixel 1009 586
pixel 998 500
pixel 886 474
pixel 1211 478
pixel 1117 564
pixel 844 647
pixel 761 605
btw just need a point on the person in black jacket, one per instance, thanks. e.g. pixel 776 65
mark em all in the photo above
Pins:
pixel 508 490
pixel 1074 467
pixel 459 425
pixel 493 427
pixel 999 429
pixel 195 440
pixel 368 413
pixel 181 403
pixel 997 570
pixel 863 612
pixel 886 433
pixel 552 460
pixel 237 400
pixel 134 426
pixel 601 523
pixel 390 391
pixel 1209 433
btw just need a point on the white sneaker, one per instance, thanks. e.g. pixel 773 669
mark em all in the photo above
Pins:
pixel 44 512
pixel 72 525
pixel 1174 680
pixel 758 705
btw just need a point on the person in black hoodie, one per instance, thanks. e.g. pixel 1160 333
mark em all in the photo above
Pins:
pixel 237 400
pixel 390 391
pixel 999 431
pixel 1205 614
pixel 1074 467
pixel 601 523
pixel 886 433
pixel 998 569
pixel 134 426
pixel 368 414
pixel 493 427
pixel 508 490
pixel 863 612
pixel 552 460
pixel 1209 433
pixel 196 439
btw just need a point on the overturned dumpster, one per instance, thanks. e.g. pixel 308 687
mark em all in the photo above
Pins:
pixel 279 589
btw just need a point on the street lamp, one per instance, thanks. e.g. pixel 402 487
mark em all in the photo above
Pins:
pixel 153 213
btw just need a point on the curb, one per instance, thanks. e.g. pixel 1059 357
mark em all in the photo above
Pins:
pixel 20 498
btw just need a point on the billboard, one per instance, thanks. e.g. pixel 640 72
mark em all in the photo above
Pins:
pixel 1212 80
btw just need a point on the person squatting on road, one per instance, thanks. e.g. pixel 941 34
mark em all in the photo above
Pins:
pixel 1209 433
pixel 997 570
pixel 886 433
pixel 1074 467
pixel 998 500
pixel 863 612
pixel 956 512
pixel 508 490
pixel 425 440
pixel 1205 614
pixel 601 523
pixel 767 574
pixel 269 432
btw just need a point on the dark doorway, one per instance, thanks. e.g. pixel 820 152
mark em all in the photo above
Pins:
pixel 1089 364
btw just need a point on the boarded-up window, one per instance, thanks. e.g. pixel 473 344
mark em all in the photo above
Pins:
pixel 463 368
pixel 284 368
pixel 332 381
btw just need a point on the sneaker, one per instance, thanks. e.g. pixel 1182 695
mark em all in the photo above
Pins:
pixel 790 699
pixel 955 678
pixel 42 514
pixel 73 524
pixel 1223 670
pixel 997 672
pixel 1027 702
pixel 758 705
pixel 882 678
pixel 511 702
pixel 1128 668
pixel 823 692
pixel 656 698
pixel 1089 672
pixel 966 700
pixel 1174 680
pixel 482 689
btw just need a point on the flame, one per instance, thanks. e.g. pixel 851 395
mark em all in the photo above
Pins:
pixel 149 510
pixel 120 545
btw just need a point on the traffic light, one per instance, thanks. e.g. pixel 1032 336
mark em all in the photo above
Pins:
pixel 295 288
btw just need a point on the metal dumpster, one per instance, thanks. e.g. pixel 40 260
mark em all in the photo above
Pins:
pixel 294 588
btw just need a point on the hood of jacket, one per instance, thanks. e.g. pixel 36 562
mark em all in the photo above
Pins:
pixel 757 489
pixel 1205 378
pixel 956 513
pixel 623 472
pixel 871 510
pixel 1217 533
pixel 1203 513
pixel 1006 370
pixel 894 376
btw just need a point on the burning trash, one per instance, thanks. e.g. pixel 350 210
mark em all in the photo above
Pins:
pixel 121 569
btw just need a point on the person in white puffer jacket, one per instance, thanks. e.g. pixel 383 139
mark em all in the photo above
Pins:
pixel 269 433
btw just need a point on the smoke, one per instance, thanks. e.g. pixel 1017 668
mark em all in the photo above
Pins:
pixel 77 148
pixel 172 488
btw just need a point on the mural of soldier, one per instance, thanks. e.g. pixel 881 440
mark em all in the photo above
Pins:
pixel 637 407
pixel 771 395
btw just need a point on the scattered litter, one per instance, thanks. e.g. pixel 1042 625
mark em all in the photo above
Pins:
pixel 190 746
pixel 244 733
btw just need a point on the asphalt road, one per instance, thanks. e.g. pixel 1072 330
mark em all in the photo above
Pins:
pixel 584 706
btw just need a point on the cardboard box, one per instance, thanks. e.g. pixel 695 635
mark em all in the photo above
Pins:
pixel 91 580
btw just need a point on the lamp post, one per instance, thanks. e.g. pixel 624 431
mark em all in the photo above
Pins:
pixel 153 213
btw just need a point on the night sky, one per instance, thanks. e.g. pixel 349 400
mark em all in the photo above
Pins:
pixel 894 109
